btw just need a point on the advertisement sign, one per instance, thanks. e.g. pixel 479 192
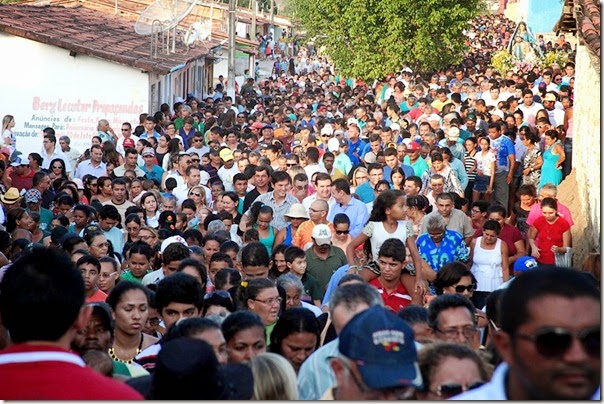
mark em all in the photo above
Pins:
pixel 51 88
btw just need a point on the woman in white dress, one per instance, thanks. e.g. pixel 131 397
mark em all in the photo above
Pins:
pixel 490 266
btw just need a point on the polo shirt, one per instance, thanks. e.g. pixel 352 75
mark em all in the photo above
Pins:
pixel 47 372
pixel 86 167
pixel 419 167
pixel 356 212
pixel 323 269
pixel 155 173
pixel 396 300
pixel 365 192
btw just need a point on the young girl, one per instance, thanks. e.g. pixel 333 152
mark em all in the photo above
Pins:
pixel 139 262
pixel 397 178
pixel 485 171
pixel 386 221
pixel 260 219
pixel 151 207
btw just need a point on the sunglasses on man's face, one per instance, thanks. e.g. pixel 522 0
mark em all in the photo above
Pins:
pixel 555 342
pixel 453 389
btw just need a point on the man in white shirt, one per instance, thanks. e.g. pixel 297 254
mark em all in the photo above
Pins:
pixel 193 174
pixel 49 151
pixel 556 115
pixel 548 337
pixel 228 170
pixel 93 166
pixel 126 134
pixel 72 154
pixel 184 161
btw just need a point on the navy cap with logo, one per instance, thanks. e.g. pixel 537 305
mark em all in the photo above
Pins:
pixel 382 346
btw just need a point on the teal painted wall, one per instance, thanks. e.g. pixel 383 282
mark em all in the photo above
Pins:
pixel 543 14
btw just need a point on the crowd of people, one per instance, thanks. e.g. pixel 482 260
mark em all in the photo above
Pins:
pixel 313 237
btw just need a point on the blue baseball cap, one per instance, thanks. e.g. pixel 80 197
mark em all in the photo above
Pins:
pixel 382 346
pixel 525 263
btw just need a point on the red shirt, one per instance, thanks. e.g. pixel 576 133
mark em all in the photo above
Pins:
pixel 395 301
pixel 99 296
pixel 549 235
pixel 45 372
pixel 19 182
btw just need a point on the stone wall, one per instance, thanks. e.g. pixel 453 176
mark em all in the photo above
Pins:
pixel 581 190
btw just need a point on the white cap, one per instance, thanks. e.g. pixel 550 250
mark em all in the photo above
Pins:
pixel 395 126
pixel 333 144
pixel 352 121
pixel 171 240
pixel 327 129
pixel 322 234
pixel 453 133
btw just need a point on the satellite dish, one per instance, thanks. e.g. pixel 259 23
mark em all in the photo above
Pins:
pixel 199 31
pixel 168 12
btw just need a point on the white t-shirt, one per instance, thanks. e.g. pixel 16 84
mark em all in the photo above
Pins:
pixel 226 176
pixel 377 234
pixel 484 162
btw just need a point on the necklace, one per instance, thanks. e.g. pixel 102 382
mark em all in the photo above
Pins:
pixel 113 356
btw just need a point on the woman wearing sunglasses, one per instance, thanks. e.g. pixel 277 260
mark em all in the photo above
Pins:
pixel 448 369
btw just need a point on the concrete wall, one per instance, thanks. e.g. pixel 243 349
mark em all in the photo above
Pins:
pixel 586 157
pixel 46 87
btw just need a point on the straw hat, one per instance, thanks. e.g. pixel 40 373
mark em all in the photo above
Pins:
pixel 11 196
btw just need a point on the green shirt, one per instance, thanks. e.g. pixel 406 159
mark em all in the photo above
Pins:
pixel 127 276
pixel 322 269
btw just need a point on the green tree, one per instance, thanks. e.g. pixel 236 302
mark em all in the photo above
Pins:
pixel 371 38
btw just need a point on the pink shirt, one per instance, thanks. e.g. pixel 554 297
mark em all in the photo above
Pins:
pixel 535 213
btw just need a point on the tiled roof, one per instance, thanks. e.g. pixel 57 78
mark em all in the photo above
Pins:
pixel 94 33
pixel 588 20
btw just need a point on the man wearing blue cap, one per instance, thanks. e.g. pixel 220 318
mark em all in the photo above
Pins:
pixel 378 358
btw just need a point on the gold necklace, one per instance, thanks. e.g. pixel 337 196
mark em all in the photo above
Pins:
pixel 113 356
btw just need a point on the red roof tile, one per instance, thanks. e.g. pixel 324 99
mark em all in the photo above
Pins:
pixel 94 33
pixel 588 21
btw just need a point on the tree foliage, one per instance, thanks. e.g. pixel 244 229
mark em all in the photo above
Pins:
pixel 371 38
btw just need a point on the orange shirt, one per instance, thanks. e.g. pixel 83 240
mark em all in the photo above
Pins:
pixel 304 233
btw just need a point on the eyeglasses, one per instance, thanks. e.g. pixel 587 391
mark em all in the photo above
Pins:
pixel 342 231
pixel 462 288
pixel 468 332
pixel 436 235
pixel 147 237
pixel 475 210
pixel 270 301
pixel 291 164
pixel 195 160
pixel 552 342
pixel 197 140
pixel 105 244
pixel 58 167
pixel 452 389
pixel 195 194
pixel 125 130
pixel 107 276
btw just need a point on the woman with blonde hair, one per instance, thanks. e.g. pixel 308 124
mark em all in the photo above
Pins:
pixel 274 378
pixel 359 176
pixel 198 194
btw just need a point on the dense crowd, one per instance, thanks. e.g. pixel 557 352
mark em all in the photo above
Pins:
pixel 312 237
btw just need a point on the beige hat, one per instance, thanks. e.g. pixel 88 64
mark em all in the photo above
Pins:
pixel 296 211
pixel 11 196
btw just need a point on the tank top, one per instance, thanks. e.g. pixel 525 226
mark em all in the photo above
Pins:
pixel 288 235
pixel 268 241
pixel 378 234
pixel 486 267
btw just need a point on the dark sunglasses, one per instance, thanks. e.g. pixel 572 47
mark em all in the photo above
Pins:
pixel 452 389
pixel 59 167
pixel 553 342
pixel 463 288
pixel 291 164
pixel 342 231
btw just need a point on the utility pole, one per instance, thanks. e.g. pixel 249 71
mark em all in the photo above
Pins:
pixel 272 27
pixel 254 11
pixel 231 75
